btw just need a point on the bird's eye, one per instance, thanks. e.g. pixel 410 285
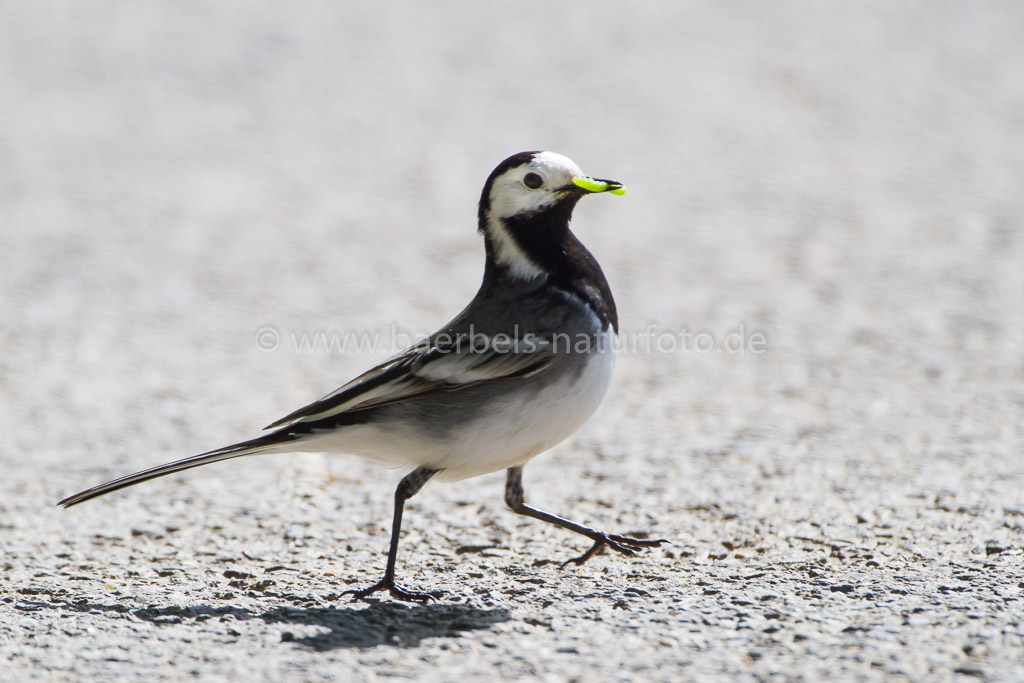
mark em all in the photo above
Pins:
pixel 533 180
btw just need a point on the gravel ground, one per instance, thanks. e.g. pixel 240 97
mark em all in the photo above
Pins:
pixel 189 191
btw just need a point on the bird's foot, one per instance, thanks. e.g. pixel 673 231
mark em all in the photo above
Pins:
pixel 623 544
pixel 396 591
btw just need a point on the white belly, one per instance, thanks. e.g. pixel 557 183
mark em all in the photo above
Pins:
pixel 509 433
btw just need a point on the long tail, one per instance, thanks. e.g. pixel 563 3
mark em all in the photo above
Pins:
pixel 259 445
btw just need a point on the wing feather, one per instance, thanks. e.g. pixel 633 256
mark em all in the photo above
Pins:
pixel 429 368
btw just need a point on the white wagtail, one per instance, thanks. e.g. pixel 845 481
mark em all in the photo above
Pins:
pixel 518 371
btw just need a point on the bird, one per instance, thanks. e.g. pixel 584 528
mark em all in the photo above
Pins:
pixel 519 370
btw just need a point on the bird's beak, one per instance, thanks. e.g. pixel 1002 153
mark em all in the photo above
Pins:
pixel 598 185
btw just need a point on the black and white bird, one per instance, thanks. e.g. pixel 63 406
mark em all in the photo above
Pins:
pixel 515 373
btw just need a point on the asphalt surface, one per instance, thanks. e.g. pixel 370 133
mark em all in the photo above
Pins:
pixel 819 268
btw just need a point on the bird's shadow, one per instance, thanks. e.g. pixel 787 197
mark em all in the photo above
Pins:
pixel 355 625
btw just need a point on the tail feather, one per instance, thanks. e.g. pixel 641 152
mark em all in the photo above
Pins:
pixel 251 447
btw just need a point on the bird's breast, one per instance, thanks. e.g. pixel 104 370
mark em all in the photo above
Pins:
pixel 534 417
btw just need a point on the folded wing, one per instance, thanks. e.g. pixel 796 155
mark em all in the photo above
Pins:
pixel 427 368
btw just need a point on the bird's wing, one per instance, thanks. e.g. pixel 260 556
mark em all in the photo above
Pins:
pixel 431 367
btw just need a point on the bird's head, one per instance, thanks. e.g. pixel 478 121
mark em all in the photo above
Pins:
pixel 526 206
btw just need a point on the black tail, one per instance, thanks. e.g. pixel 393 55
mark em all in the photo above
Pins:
pixel 251 447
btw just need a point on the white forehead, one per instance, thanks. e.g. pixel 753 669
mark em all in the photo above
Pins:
pixel 556 164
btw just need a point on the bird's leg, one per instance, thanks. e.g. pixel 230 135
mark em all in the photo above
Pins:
pixel 515 499
pixel 406 489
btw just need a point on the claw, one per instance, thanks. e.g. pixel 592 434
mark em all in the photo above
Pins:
pixel 396 591
pixel 623 544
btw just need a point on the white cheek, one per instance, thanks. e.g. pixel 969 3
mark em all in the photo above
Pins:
pixel 511 198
